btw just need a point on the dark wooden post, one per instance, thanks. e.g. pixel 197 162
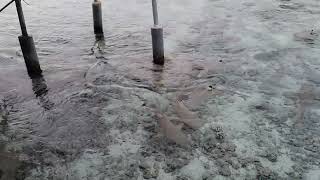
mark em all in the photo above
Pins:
pixel 27 45
pixel 97 18
pixel 157 37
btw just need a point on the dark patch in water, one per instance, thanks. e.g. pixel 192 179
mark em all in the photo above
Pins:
pixel 268 56
pixel 291 7
pixel 261 107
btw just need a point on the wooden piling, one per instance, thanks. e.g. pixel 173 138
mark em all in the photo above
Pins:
pixel 157 45
pixel 27 45
pixel 157 37
pixel 97 17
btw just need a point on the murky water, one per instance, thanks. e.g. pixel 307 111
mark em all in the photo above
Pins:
pixel 92 115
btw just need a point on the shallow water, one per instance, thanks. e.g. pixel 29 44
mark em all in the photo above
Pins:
pixel 91 116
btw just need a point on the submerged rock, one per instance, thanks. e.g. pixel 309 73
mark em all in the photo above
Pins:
pixel 265 174
pixel 225 170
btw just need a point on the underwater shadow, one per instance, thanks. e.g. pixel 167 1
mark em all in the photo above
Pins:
pixel 41 90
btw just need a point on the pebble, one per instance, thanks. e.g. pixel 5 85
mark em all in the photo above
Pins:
pixel 272 157
pixel 265 174
pixel 235 164
pixel 224 171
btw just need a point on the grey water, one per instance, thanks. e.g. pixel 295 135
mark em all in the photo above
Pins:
pixel 91 114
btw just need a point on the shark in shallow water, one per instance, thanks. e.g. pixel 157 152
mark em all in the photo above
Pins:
pixel 171 131
pixel 186 116
pixel 305 96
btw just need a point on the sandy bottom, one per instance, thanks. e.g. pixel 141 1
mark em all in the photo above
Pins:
pixel 261 121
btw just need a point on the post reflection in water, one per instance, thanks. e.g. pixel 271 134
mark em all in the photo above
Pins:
pixel 100 42
pixel 3 127
pixel 4 113
pixel 40 89
pixel 98 47
pixel 157 76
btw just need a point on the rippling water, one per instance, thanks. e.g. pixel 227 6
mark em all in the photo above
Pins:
pixel 91 115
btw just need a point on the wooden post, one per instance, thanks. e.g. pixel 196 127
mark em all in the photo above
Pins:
pixel 157 37
pixel 97 17
pixel 27 45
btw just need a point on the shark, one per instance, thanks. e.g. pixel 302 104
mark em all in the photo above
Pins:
pixel 186 116
pixel 305 95
pixel 171 131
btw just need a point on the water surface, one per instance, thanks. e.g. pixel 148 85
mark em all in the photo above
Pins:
pixel 91 115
